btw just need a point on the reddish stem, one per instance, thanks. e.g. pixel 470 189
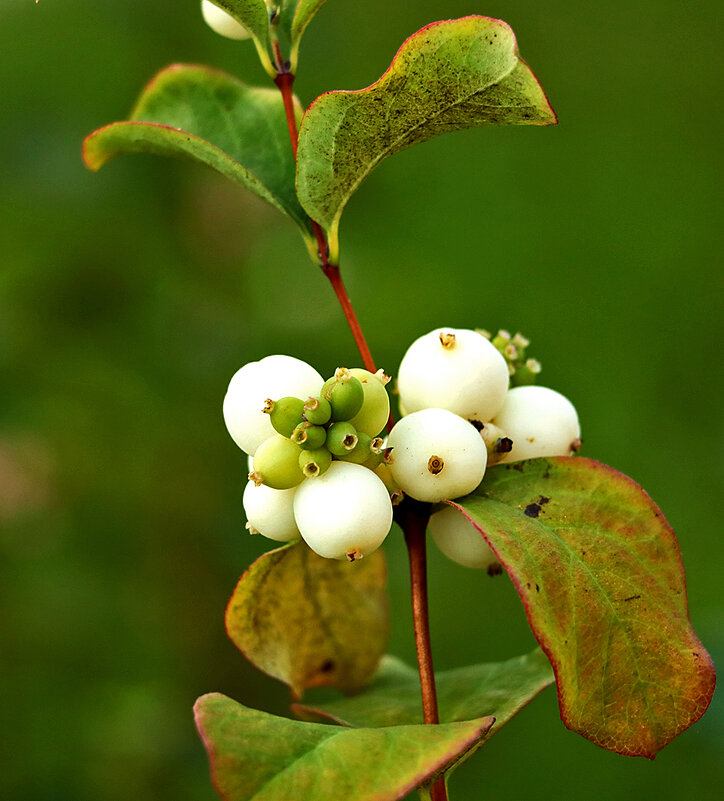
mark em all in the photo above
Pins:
pixel 332 272
pixel 415 515
pixel 414 524
pixel 285 81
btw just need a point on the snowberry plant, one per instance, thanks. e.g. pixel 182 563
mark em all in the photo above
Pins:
pixel 481 456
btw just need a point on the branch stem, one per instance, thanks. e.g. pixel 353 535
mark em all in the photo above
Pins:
pixel 414 524
pixel 284 82
pixel 415 515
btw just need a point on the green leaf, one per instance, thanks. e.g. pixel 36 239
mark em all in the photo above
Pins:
pixel 213 118
pixel 296 15
pixel 258 756
pixel 599 572
pixel 448 76
pixel 310 621
pixel 254 16
pixel 499 689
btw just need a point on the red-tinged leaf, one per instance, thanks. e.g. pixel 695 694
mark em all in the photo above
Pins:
pixel 599 572
pixel 259 757
pixel 448 76
pixel 309 621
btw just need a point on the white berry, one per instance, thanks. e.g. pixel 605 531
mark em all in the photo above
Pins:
pixel 273 377
pixel 540 421
pixel 345 513
pixel 459 540
pixel 222 22
pixel 436 455
pixel 455 369
pixel 271 512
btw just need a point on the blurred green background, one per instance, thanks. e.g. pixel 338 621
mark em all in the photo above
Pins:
pixel 128 299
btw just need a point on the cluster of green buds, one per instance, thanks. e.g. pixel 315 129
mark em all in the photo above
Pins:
pixel 342 423
pixel 513 348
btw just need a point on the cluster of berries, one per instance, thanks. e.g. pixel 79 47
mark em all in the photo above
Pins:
pixel 461 415
pixel 321 469
pixel 314 449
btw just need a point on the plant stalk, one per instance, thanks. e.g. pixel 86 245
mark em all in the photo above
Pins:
pixel 415 515
pixel 285 81
pixel 414 525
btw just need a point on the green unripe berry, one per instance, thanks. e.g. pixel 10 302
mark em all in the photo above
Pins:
pixel 344 393
pixel 317 411
pixel 375 411
pixel 308 436
pixel 526 374
pixel 276 463
pixel 368 452
pixel 341 439
pixel 378 454
pixel 361 451
pixel 315 462
pixel 285 414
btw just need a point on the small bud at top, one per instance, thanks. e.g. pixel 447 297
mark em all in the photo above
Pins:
pixel 268 406
pixel 510 352
pixel 447 339
pixel 533 365
pixel 342 374
pixel 483 333
pixel 251 529
pixel 381 376
pixel 520 341
pixel 576 445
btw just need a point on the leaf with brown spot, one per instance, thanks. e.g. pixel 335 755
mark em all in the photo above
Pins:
pixel 601 579
pixel 309 621
pixel 259 757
